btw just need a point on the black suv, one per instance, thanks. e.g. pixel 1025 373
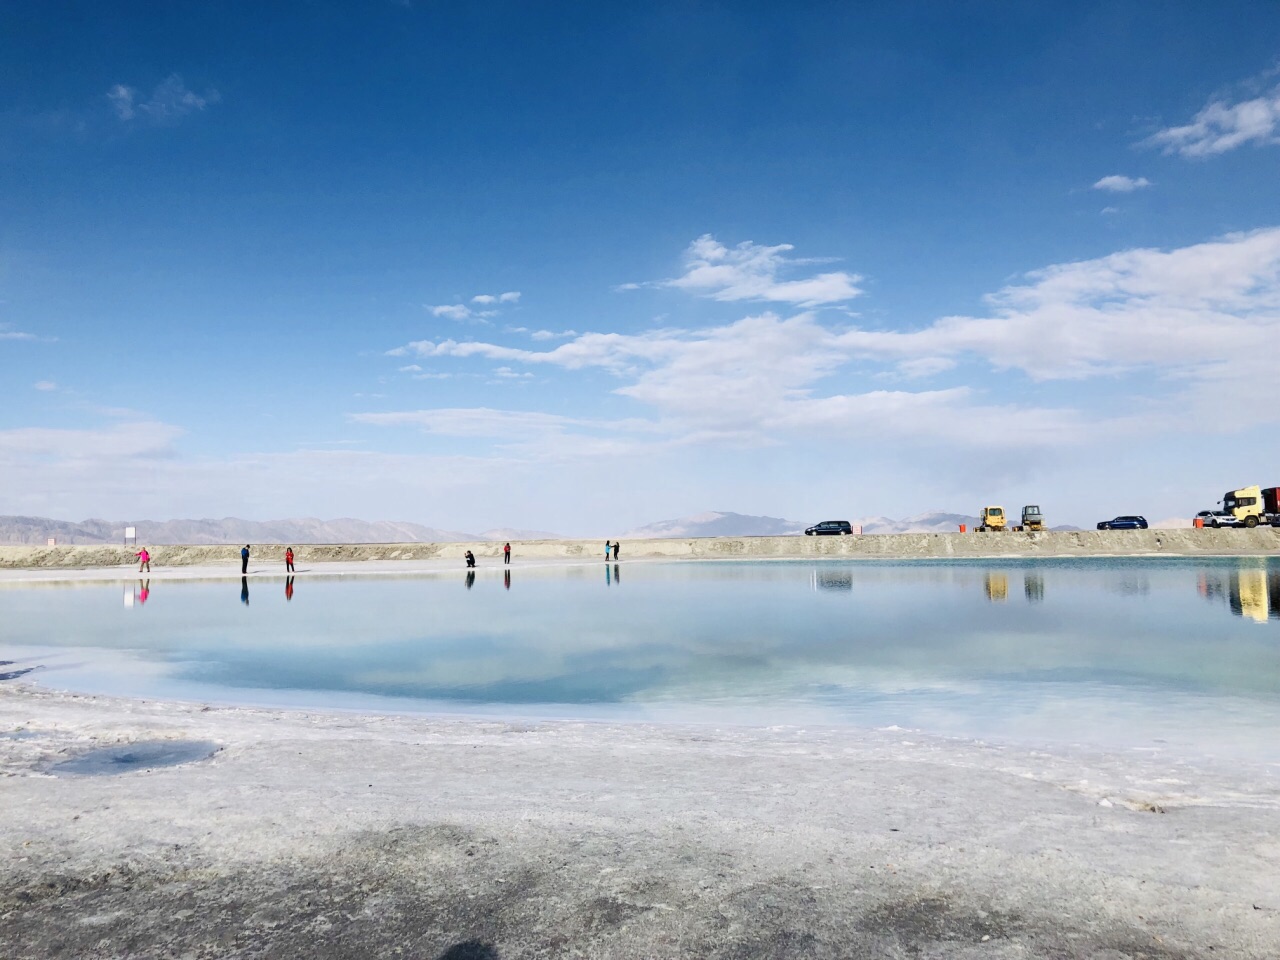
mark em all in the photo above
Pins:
pixel 1124 523
pixel 829 528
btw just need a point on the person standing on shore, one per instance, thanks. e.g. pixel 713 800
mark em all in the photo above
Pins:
pixel 607 547
pixel 616 547
pixel 288 559
pixel 506 553
pixel 244 560
pixel 144 560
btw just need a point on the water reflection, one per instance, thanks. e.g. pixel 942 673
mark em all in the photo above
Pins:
pixel 997 587
pixel 506 579
pixel 288 589
pixel 1250 592
pixel 244 590
pixel 827 578
pixel 912 643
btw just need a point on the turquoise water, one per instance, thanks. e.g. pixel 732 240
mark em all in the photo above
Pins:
pixel 1133 651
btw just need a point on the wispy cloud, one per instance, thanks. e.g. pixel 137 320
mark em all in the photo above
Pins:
pixel 751 271
pixel 464 313
pixel 169 101
pixel 45 385
pixel 1221 126
pixel 8 333
pixel 1118 183
pixel 1183 314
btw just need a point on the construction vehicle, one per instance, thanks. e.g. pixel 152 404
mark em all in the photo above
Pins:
pixel 1032 520
pixel 1250 506
pixel 992 520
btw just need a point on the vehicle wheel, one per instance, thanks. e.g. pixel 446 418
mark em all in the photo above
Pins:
pixel 1250 522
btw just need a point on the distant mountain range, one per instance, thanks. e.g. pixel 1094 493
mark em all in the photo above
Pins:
pixel 38 530
pixel 739 525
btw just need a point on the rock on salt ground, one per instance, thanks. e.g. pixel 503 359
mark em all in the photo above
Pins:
pixel 362 836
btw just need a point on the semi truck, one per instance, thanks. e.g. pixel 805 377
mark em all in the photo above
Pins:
pixel 1250 506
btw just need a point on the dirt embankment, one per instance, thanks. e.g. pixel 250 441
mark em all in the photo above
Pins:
pixel 1106 543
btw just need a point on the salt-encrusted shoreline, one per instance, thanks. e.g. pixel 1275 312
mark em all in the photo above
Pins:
pixel 313 834
pixel 1261 541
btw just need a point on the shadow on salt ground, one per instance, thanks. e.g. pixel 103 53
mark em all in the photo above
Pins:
pixel 470 950
pixel 12 674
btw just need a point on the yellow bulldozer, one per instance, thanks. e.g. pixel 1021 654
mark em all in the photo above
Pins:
pixel 993 520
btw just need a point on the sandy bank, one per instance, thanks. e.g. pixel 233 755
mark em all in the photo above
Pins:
pixel 1260 541
pixel 350 836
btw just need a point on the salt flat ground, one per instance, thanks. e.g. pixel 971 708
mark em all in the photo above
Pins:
pixel 333 835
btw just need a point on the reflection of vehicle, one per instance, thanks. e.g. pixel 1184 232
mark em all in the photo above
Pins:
pixel 1217 518
pixel 1032 519
pixel 1255 594
pixel 992 519
pixel 1251 506
pixel 829 528
pixel 1124 523
pixel 997 585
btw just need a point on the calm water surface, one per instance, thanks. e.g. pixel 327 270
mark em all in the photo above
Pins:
pixel 1176 653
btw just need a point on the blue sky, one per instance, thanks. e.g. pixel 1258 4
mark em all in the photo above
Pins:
pixel 580 267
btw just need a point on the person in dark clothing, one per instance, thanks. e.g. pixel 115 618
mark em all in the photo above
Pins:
pixel 471 559
pixel 244 560
pixel 244 590
pixel 506 553
pixel 616 547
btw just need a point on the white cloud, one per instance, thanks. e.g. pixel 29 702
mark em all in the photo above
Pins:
pixel 1117 183
pixel 751 271
pixel 452 311
pixel 45 385
pixel 410 368
pixel 1222 126
pixel 7 333
pixel 1171 310
pixel 136 440
pixel 170 100
pixel 472 422
pixel 465 314
pixel 552 335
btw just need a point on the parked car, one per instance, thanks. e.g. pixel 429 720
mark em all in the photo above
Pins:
pixel 1124 523
pixel 829 528
pixel 1217 518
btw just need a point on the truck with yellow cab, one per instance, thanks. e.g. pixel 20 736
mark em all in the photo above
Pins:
pixel 993 519
pixel 1250 506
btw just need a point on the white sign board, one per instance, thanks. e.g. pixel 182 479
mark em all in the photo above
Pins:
pixel 130 533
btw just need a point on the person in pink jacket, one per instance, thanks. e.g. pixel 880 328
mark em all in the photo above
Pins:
pixel 144 560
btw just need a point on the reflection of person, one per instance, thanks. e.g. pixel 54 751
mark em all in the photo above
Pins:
pixel 288 588
pixel 607 548
pixel 144 590
pixel 616 547
pixel 471 559
pixel 617 573
pixel 506 579
pixel 244 590
pixel 288 559
pixel 506 553
pixel 144 560
pixel 244 560
pixel 471 579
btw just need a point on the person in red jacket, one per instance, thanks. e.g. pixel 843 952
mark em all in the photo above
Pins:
pixel 506 553
pixel 288 559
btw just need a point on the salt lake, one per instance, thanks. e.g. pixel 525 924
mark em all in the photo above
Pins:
pixel 1166 654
